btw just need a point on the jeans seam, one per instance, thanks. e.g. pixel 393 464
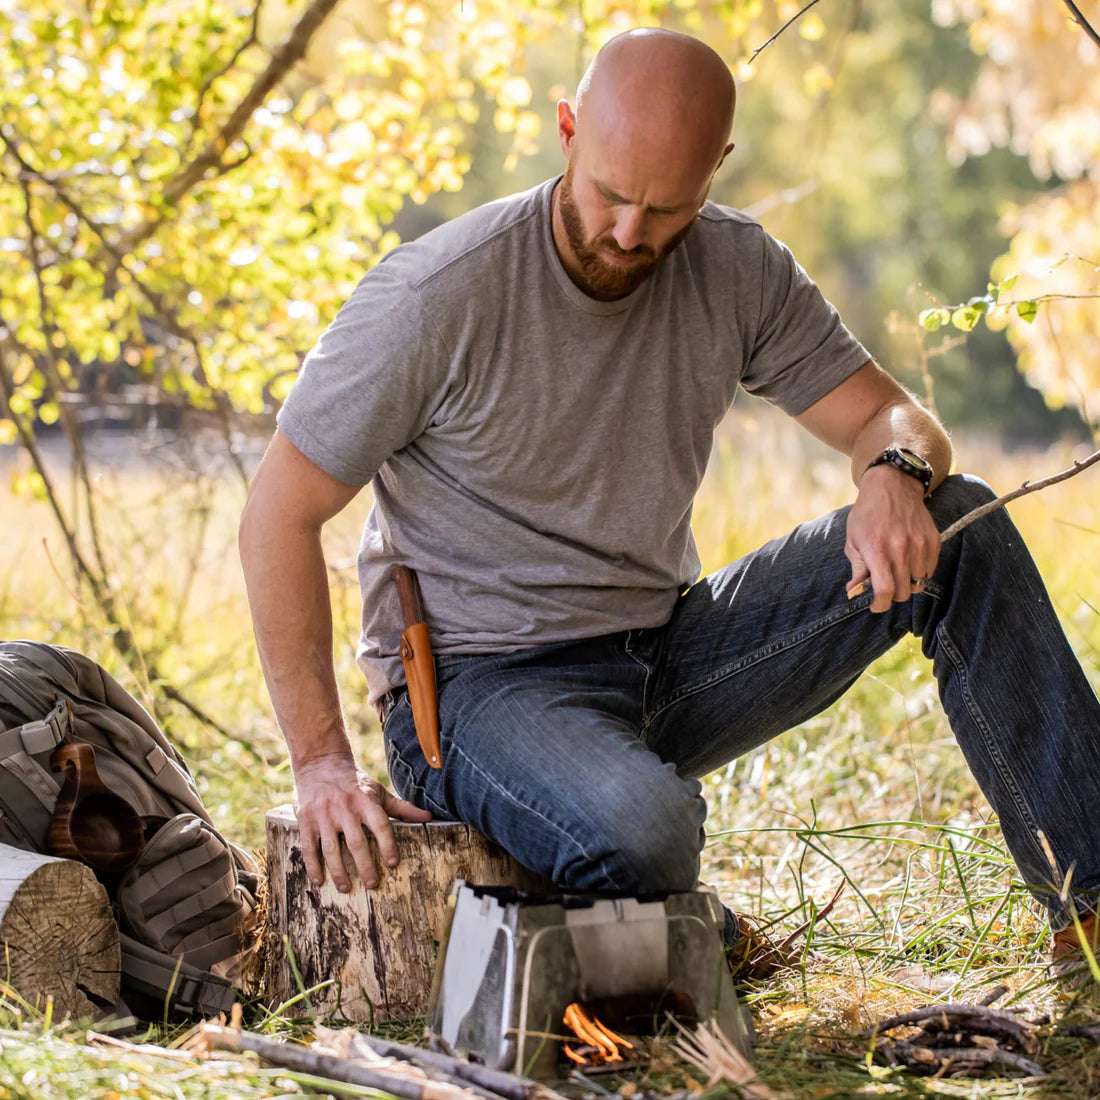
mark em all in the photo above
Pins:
pixel 758 655
pixel 638 661
pixel 1003 771
pixel 507 794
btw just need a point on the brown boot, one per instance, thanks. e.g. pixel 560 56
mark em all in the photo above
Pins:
pixel 1067 956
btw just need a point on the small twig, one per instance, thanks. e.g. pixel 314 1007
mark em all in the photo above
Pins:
pixel 1082 1031
pixel 252 40
pixel 348 1041
pixel 950 1060
pixel 793 19
pixel 992 506
pixel 302 1059
pixel 1082 22
pixel 994 995
pixel 1027 487
pixel 974 1016
pixel 821 914
pixel 283 60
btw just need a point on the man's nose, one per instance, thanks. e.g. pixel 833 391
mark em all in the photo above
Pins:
pixel 630 228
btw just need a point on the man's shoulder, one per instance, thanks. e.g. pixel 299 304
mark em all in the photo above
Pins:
pixel 477 237
pixel 726 219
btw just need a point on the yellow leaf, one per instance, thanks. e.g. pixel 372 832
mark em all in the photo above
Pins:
pixel 8 433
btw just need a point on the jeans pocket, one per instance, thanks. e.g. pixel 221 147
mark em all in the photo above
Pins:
pixel 408 779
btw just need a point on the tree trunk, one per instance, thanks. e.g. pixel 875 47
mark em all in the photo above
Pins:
pixel 376 947
pixel 59 935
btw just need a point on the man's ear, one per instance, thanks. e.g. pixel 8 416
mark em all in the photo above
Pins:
pixel 567 126
pixel 725 153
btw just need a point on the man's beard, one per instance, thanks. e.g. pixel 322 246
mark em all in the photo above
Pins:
pixel 602 278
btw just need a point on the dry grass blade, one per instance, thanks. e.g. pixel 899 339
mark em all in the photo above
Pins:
pixel 709 1050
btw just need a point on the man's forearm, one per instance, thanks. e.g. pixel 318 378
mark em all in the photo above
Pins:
pixel 288 596
pixel 905 425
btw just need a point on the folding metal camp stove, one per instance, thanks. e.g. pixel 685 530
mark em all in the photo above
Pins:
pixel 511 964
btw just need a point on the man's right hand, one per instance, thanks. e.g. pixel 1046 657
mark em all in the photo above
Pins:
pixel 332 796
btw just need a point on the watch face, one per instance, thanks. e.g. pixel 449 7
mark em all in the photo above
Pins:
pixel 914 458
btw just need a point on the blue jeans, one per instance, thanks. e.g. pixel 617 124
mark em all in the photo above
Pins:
pixel 582 759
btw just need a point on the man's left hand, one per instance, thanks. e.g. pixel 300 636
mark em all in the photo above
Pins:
pixel 892 540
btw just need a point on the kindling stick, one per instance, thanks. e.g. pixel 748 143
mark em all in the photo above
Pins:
pixel 300 1059
pixel 495 1081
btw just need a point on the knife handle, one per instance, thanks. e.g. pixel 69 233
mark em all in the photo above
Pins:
pixel 408 593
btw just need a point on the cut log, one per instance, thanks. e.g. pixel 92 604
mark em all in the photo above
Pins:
pixel 59 936
pixel 377 947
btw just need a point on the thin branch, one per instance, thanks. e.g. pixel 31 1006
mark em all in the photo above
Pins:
pixel 252 40
pixel 29 444
pixel 1027 487
pixel 56 383
pixel 121 637
pixel 164 312
pixel 300 1059
pixel 793 19
pixel 284 59
pixel 1082 22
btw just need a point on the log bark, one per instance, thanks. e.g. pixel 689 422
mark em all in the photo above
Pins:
pixel 58 934
pixel 377 947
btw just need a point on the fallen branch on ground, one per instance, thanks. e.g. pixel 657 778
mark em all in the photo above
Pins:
pixel 351 1044
pixel 439 1077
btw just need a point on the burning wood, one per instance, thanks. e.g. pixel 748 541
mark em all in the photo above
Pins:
pixel 602 1045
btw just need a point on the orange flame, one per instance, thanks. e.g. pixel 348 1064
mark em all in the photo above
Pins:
pixel 589 1029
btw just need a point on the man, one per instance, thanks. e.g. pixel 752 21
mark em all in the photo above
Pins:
pixel 532 390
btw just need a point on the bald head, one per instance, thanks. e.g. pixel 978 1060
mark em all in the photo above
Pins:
pixel 650 129
pixel 661 90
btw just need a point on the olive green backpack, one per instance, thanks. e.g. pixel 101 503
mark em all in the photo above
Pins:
pixel 185 906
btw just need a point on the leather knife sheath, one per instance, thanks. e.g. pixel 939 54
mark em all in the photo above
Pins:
pixel 416 656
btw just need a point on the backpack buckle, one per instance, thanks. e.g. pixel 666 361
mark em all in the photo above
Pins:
pixel 47 733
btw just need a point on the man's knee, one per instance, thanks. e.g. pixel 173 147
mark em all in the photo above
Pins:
pixel 646 842
pixel 957 495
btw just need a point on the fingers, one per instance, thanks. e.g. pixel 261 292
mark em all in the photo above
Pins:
pixel 894 567
pixel 402 809
pixel 352 814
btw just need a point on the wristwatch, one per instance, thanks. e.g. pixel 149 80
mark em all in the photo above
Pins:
pixel 909 462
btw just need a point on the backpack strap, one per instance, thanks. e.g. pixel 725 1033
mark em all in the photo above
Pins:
pixel 19 745
pixel 41 736
pixel 168 980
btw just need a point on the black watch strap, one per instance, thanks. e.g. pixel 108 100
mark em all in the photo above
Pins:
pixel 909 462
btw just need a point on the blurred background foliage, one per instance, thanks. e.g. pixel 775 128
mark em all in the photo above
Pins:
pixel 189 191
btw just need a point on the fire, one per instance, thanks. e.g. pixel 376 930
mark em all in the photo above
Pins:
pixel 606 1045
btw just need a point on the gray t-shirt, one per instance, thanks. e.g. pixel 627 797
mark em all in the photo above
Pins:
pixel 534 452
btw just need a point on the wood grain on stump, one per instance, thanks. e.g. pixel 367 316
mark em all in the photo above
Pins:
pixel 59 936
pixel 377 946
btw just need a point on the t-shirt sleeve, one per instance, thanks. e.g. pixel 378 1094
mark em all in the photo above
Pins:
pixel 802 349
pixel 370 385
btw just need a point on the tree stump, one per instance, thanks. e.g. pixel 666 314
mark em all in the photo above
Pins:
pixel 377 947
pixel 59 935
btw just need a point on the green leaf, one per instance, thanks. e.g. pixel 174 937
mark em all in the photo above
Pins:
pixel 966 317
pixel 1005 285
pixel 933 319
pixel 1027 311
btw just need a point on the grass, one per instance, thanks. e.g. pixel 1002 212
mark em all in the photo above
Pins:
pixel 873 792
